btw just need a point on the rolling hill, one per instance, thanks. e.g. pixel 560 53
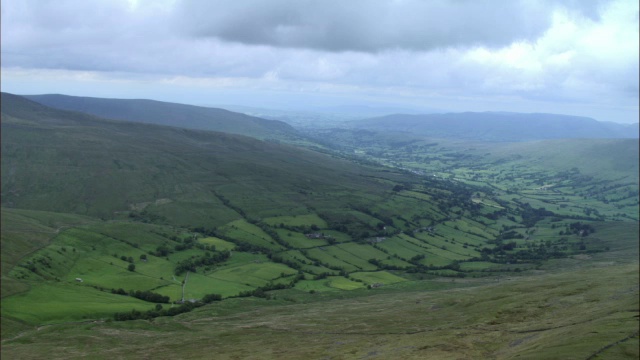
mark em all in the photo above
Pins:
pixel 187 243
pixel 499 126
pixel 170 114
pixel 72 162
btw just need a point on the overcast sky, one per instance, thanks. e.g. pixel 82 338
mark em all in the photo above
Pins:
pixel 577 57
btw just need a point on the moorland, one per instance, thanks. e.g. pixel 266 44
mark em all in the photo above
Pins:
pixel 128 234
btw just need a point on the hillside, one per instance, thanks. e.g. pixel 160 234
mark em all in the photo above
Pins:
pixel 170 114
pixel 568 175
pixel 498 126
pixel 155 234
pixel 586 309
pixel 71 162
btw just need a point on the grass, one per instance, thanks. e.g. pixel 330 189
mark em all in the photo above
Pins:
pixel 253 275
pixel 495 320
pixel 23 233
pixel 299 240
pixel 297 221
pixel 219 244
pixel 352 257
pixel 377 277
pixel 324 257
pixel 66 302
pixel 246 232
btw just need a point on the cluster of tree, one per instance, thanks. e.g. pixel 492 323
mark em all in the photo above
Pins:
pixel 228 204
pixel 125 258
pixel 347 223
pixel 154 313
pixel 421 268
pixel 450 193
pixel 207 259
pixel 186 244
pixel 248 247
pixel 382 266
pixel 160 311
pixel 503 253
pixel 162 251
pixel 274 235
pixel 416 259
pixel 147 295
pixel 321 276
pixel 290 263
pixel 205 231
pixel 500 248
pixel 511 234
pixel 385 220
pixel 44 260
pixel 209 298
pixel 581 229
pixel 261 292
pixel 531 216
pixel 147 217
pixel 496 214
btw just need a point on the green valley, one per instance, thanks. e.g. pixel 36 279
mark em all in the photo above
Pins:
pixel 188 242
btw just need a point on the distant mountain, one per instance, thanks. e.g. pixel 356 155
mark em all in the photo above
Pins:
pixel 170 114
pixel 499 126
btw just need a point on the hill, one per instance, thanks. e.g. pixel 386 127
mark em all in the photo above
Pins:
pixel 72 162
pixel 148 235
pixel 499 126
pixel 170 114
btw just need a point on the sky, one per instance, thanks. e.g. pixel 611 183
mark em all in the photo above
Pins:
pixel 575 57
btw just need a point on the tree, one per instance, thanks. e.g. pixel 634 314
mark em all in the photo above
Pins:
pixel 211 298
pixel 131 267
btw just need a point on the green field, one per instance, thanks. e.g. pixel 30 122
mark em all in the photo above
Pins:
pixel 297 221
pixel 66 302
pixel 377 277
pixel 218 243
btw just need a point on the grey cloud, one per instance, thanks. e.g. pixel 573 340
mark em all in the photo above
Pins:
pixel 368 26
pixel 402 48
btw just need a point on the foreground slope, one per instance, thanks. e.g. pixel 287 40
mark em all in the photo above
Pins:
pixel 584 309
pixel 171 114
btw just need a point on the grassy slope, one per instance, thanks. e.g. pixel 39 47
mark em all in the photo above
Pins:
pixel 570 177
pixel 249 179
pixel 72 162
pixel 171 114
pixel 52 159
pixel 24 232
pixel 563 313
pixel 604 158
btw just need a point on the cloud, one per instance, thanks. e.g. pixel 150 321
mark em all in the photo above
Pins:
pixel 473 52
pixel 368 26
